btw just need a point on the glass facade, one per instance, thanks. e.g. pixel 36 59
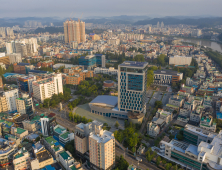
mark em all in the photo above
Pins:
pixel 95 60
pixel 186 160
pixel 190 138
pixel 23 85
pixel 132 89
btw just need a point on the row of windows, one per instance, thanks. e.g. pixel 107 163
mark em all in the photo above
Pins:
pixel 132 108
pixel 109 114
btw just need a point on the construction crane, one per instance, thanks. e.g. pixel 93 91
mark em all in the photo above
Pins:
pixel 80 17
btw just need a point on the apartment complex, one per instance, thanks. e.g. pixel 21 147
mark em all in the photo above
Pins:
pixel 180 60
pixel 100 144
pixel 45 88
pixel 74 31
pixel 76 74
pixel 167 77
pixel 11 96
pixel 132 80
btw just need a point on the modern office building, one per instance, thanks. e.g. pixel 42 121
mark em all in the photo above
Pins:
pixel 74 31
pixel 195 135
pixel 204 156
pixel 91 61
pixel 180 60
pixel 11 96
pixel 47 124
pixel 25 84
pixel 25 105
pixel 167 77
pixel 132 81
pixel 45 88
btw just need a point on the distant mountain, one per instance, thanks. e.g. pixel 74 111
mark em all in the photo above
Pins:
pixel 200 22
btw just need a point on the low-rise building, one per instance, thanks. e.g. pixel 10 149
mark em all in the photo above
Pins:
pixel 166 116
pixel 167 77
pixel 31 126
pixel 153 129
pixel 188 89
pixel 184 115
pixel 21 160
pixel 206 122
pixel 66 137
pixel 176 101
pixel 53 146
pixel 19 132
pixel 110 71
pixel 43 158
pixel 58 130
pixel 66 159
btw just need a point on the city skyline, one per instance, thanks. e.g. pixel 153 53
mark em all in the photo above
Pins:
pixel 87 8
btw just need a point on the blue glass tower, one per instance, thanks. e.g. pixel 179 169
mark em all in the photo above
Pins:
pixel 132 80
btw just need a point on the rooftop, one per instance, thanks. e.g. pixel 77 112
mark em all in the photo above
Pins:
pixel 105 100
pixel 105 137
pixel 59 129
pixel 168 72
pixel 64 155
pixel 134 64
pixel 50 140
pixel 43 155
pixel 20 130
pixel 65 135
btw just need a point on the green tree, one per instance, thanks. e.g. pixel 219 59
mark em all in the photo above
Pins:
pixel 158 160
pixel 121 163
pixel 117 124
pixel 158 104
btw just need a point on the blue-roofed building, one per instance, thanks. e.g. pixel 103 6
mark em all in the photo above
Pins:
pixel 107 106
pixel 91 61
pixel 132 80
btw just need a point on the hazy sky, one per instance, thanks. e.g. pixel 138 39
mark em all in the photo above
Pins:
pixel 64 8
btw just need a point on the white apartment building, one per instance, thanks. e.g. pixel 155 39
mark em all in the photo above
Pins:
pixel 179 60
pixel 166 116
pixel 110 71
pixel 11 96
pixel 153 129
pixel 66 159
pixel 45 88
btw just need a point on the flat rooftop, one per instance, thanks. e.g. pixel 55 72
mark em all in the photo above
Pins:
pixel 105 100
pixel 200 131
pixel 167 72
pixel 107 136
pixel 43 155
pixel 65 135
pixel 134 64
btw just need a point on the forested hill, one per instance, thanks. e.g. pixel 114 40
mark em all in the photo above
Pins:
pixel 201 22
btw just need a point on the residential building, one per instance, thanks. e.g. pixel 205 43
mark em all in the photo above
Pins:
pixel 166 116
pixel 31 126
pixel 132 80
pixel 195 116
pixel 101 148
pixel 58 130
pixel 45 88
pixel 110 71
pixel 15 58
pixel 176 101
pixel 66 159
pixel 74 31
pixel 180 60
pixel 205 155
pixel 53 146
pixel 25 105
pixel 22 68
pixel 184 115
pixel 43 158
pixel 167 77
pixel 66 137
pixel 8 149
pixel 3 103
pixel 206 122
pixel 153 129
pixel 47 63
pixel 11 96
pixel 21 160
pixel 19 132
pixel 188 89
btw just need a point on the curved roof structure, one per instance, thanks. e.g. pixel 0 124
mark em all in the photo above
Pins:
pixel 106 100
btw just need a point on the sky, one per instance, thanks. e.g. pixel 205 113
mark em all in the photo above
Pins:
pixel 90 8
